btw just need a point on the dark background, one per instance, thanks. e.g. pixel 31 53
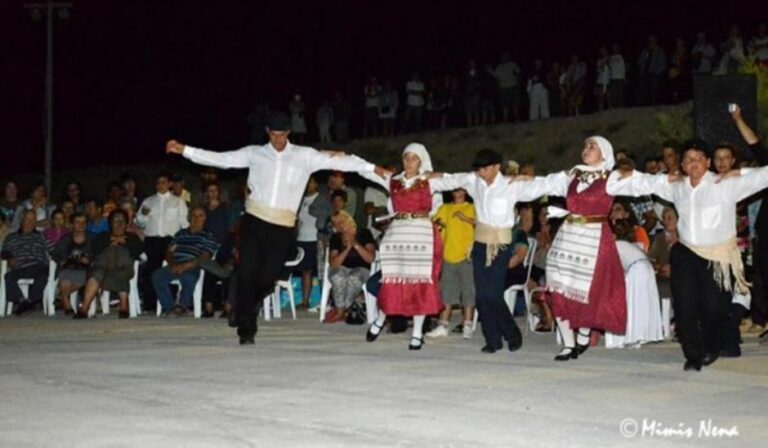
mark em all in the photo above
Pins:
pixel 131 74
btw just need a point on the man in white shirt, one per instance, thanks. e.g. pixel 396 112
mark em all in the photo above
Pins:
pixel 414 105
pixel 161 216
pixel 507 74
pixel 706 263
pixel 277 174
pixel 703 54
pixel 618 72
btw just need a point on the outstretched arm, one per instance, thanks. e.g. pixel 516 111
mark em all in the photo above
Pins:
pixel 555 184
pixel 748 183
pixel 231 159
pixel 635 183
pixel 351 163
pixel 447 182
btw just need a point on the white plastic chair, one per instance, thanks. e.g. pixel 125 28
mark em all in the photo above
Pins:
pixel 274 298
pixel 510 295
pixel 325 292
pixel 24 283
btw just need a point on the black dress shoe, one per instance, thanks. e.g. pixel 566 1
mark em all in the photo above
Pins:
pixel 23 308
pixel 692 365
pixel 731 352
pixel 247 340
pixel 709 358
pixel 515 346
pixel 418 345
pixel 369 336
pixel 566 354
pixel 489 349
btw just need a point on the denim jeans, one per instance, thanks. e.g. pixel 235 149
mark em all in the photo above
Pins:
pixel 161 280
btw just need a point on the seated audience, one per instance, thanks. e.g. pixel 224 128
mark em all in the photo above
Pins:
pixel 27 254
pixel 73 256
pixel 57 229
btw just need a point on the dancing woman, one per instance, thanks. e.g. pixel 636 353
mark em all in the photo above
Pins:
pixel 411 249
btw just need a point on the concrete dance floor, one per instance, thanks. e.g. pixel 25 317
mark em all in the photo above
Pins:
pixel 184 383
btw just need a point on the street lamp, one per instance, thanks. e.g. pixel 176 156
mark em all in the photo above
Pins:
pixel 51 11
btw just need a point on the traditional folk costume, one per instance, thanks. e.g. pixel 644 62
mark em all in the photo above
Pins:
pixel 585 279
pixel 276 180
pixel 706 263
pixel 411 251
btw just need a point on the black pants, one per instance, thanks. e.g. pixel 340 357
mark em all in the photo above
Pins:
pixel 701 306
pixel 37 272
pixel 759 306
pixel 155 248
pixel 264 249
pixel 494 313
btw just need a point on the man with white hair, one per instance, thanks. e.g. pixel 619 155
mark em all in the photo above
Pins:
pixel 277 174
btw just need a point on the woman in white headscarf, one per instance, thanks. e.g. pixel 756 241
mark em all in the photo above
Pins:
pixel 584 275
pixel 411 249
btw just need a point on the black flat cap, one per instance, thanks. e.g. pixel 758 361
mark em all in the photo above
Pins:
pixel 279 122
pixel 486 157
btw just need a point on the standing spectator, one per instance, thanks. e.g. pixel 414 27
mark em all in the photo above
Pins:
pixel 324 120
pixel 388 104
pixel 538 95
pixel 129 189
pixel 507 74
pixel 603 80
pixel 27 255
pixel 488 92
pixel 9 203
pixel 652 66
pixel 58 228
pixel 38 202
pixel 298 122
pixel 575 77
pixel 73 256
pixel 457 282
pixel 759 45
pixel 341 112
pixel 73 191
pixel 472 95
pixel 114 254
pixel 208 175
pixel 414 108
pixel 732 51
pixel 161 215
pixel 189 248
pixel 679 75
pixel 618 81
pixel 96 221
pixel 372 91
pixel 553 88
pixel 307 240
pixel 702 55
pixel 178 188
pixel 670 154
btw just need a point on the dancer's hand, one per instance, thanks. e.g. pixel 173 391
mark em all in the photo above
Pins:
pixel 382 172
pixel 736 114
pixel 520 178
pixel 728 175
pixel 334 153
pixel 174 147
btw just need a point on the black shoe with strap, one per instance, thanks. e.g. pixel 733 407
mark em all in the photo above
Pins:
pixel 567 353
pixel 370 336
pixel 418 345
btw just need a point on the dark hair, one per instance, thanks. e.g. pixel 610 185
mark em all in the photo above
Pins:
pixel 729 147
pixel 76 215
pixel 339 193
pixel 627 206
pixel 624 230
pixel 57 211
pixel 164 174
pixel 674 144
pixel 96 201
pixel 697 144
pixel 38 184
pixel 113 214
pixel 114 184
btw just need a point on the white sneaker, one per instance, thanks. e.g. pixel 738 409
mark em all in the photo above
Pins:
pixel 466 330
pixel 439 332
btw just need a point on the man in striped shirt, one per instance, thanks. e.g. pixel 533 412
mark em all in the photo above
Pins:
pixel 189 248
pixel 27 255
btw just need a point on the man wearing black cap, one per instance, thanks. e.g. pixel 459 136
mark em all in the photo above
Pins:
pixel 495 199
pixel 706 264
pixel 277 175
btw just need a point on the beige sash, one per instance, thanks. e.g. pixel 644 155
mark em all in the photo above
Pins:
pixel 725 258
pixel 496 238
pixel 278 216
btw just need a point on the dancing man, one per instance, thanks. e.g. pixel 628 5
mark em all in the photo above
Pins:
pixel 706 263
pixel 277 175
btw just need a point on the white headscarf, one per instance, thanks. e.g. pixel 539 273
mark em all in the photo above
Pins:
pixel 421 152
pixel 606 149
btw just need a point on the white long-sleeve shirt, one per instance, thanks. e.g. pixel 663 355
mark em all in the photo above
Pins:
pixel 277 178
pixel 706 211
pixel 167 215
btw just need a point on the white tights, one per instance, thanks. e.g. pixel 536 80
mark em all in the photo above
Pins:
pixel 567 334
pixel 418 324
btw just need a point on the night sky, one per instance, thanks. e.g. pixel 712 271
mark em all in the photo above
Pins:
pixel 131 74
